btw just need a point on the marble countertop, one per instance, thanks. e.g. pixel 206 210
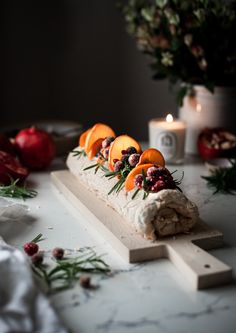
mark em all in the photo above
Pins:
pixel 147 297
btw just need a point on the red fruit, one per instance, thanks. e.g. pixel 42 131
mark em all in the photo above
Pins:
pixel 153 172
pixel 133 159
pixel 159 185
pixel 118 166
pixel 37 258
pixel 31 248
pixel 216 142
pixel 138 181
pixel 85 281
pixel 106 142
pixel 36 148
pixel 10 167
pixel 6 145
pixel 58 253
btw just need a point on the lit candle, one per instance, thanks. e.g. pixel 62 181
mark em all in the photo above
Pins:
pixel 168 136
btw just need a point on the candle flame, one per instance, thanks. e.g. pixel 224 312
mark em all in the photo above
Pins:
pixel 169 118
pixel 198 107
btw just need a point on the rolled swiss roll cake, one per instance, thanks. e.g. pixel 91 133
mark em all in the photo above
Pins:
pixel 164 213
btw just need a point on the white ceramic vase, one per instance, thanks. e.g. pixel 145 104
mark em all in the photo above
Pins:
pixel 205 109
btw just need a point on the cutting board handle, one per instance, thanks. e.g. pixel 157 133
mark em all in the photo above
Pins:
pixel 198 266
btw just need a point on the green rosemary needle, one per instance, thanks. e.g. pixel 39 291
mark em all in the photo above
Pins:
pixel 15 191
pixel 66 272
pixel 223 180
pixel 78 153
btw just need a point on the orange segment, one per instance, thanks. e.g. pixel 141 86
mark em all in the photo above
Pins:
pixel 129 182
pixel 82 138
pixel 122 142
pixel 97 145
pixel 153 156
pixel 98 131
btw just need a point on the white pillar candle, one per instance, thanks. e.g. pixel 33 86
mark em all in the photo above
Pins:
pixel 168 136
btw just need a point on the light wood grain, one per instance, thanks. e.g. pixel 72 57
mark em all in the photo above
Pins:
pixel 185 251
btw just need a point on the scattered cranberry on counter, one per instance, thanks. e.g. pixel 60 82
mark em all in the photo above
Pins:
pixel 85 282
pixel 37 258
pixel 31 248
pixel 58 253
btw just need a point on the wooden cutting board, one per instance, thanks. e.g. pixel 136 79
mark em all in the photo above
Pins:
pixel 185 251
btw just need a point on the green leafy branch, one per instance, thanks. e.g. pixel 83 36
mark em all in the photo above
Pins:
pixel 66 272
pixel 223 180
pixel 16 191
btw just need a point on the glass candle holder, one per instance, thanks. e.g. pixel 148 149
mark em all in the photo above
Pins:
pixel 168 136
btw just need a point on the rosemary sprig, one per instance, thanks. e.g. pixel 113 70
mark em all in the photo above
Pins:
pixel 38 238
pixel 98 165
pixel 66 272
pixel 15 191
pixel 122 175
pixel 78 153
pixel 223 180
pixel 61 274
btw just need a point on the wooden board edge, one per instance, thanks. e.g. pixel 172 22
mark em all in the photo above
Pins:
pixel 94 221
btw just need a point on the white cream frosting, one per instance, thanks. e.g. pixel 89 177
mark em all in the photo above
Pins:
pixel 167 212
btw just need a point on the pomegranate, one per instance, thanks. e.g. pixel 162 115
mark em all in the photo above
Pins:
pixel 10 167
pixel 35 147
pixel 216 142
pixel 6 145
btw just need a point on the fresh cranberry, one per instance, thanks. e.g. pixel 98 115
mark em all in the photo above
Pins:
pixel 118 166
pixel 85 281
pixel 153 172
pixel 159 185
pixel 133 159
pixel 125 158
pixel 31 248
pixel 123 152
pixel 131 150
pixel 138 180
pixel 115 160
pixel 37 258
pixel 106 153
pixel 150 180
pixel 106 142
pixel 58 253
